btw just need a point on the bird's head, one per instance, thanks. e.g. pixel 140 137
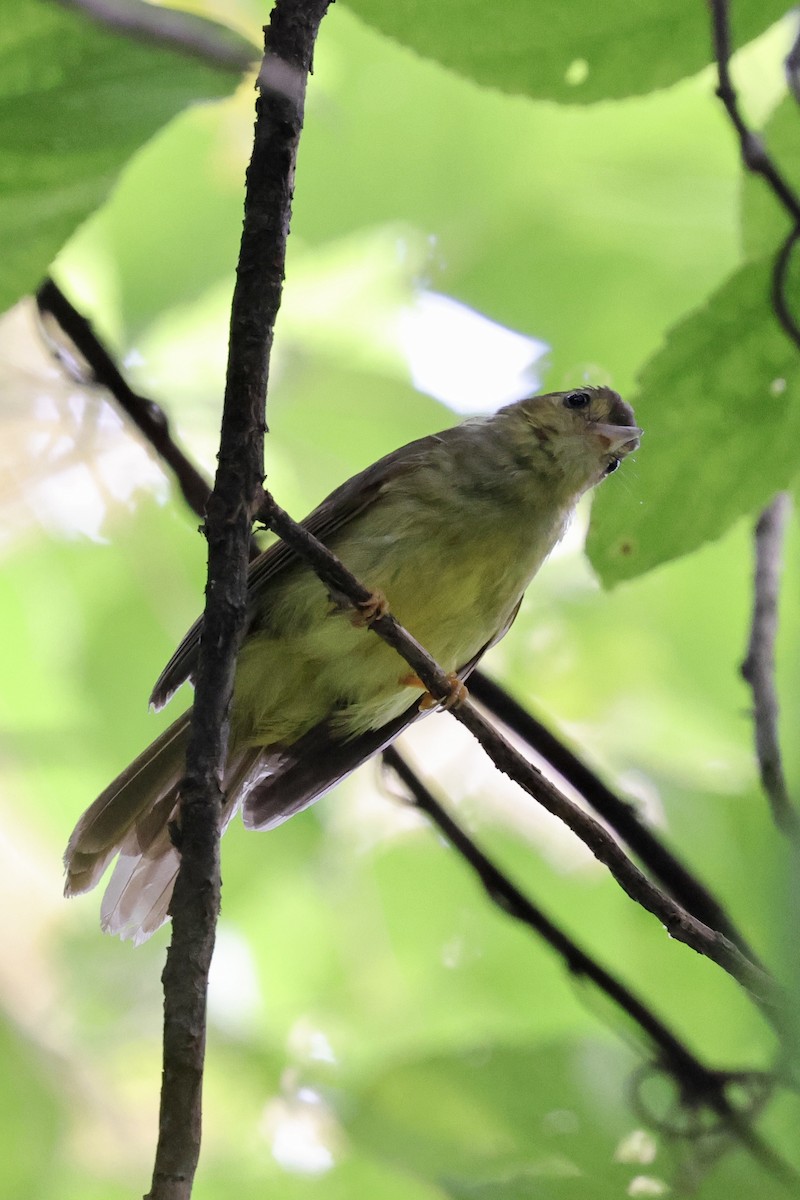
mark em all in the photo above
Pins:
pixel 582 434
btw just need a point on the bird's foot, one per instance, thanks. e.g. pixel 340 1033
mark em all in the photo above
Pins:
pixel 456 695
pixel 369 610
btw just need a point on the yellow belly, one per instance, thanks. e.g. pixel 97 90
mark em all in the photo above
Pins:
pixel 454 590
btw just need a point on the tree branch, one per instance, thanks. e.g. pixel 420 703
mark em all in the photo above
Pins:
pixel 756 159
pixel 620 814
pixel 677 919
pixel 780 278
pixel 697 1085
pixel 289 41
pixel 510 900
pixel 147 416
pixel 758 667
pixel 194 35
pixel 754 152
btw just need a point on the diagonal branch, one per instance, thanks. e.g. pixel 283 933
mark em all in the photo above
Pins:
pixel 674 876
pixel 146 415
pixel 194 35
pixel 758 667
pixel 289 42
pixel 697 1084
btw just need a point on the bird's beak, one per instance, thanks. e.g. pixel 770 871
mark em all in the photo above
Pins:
pixel 619 439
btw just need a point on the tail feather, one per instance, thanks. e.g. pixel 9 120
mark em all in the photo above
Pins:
pixel 123 804
pixel 86 871
pixel 152 824
pixel 131 819
pixel 137 897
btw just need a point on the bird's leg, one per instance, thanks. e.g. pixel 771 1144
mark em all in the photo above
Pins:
pixel 367 611
pixel 456 695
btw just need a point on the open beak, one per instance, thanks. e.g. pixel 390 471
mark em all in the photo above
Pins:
pixel 619 439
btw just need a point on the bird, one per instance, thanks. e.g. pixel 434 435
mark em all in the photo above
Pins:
pixel 450 529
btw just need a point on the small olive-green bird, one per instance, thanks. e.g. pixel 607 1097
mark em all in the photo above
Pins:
pixel 451 529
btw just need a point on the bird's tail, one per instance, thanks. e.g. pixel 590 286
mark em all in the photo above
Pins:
pixel 131 819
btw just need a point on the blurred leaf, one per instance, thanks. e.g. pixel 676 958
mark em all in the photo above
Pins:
pixel 76 101
pixel 520 1123
pixel 506 1117
pixel 574 53
pixel 719 408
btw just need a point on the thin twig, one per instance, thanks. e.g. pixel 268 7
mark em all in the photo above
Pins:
pixel 146 415
pixel 182 31
pixel 698 1085
pixel 289 38
pixel 780 277
pixel 758 667
pixel 620 814
pixel 756 159
pixel 754 152
pixel 510 900
pixel 680 924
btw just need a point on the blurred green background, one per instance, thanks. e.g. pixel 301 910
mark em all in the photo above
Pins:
pixel 483 204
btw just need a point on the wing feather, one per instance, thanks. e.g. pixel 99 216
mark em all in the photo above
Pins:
pixel 316 762
pixel 340 507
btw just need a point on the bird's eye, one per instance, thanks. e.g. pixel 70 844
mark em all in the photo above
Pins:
pixel 577 400
pixel 612 466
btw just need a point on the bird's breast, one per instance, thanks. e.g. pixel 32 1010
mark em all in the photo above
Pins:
pixel 454 584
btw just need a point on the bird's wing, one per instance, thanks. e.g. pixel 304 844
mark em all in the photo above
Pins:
pixel 285 783
pixel 292 780
pixel 340 507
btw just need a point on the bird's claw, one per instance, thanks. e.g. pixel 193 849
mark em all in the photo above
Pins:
pixel 456 694
pixel 370 610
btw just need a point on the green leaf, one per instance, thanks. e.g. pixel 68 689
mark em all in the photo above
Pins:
pixel 574 53
pixel 721 422
pixel 76 101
